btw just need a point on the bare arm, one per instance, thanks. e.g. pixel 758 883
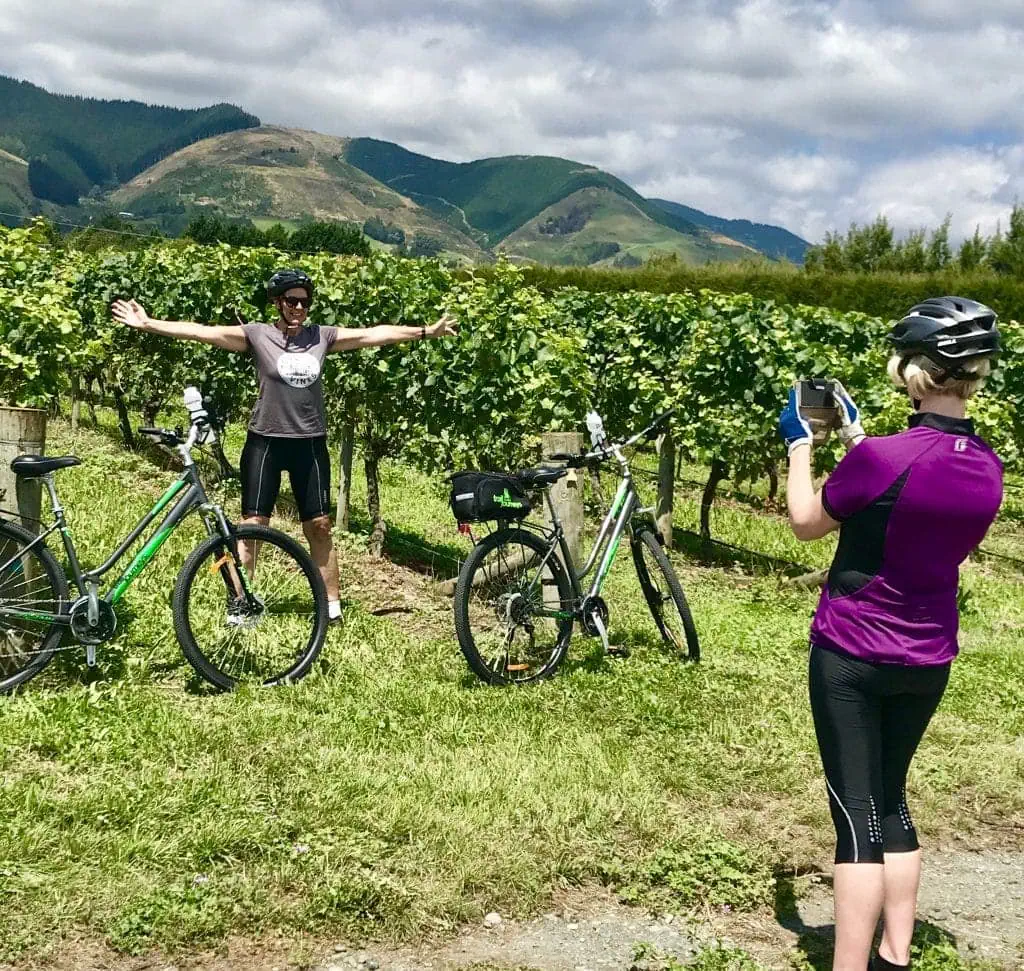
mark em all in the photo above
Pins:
pixel 132 314
pixel 807 514
pixel 353 338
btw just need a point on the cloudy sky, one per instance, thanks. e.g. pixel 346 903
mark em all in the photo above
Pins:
pixel 806 114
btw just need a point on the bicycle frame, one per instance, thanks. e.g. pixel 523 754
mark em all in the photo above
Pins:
pixel 618 518
pixel 191 495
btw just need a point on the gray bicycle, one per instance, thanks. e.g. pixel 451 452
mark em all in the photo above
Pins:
pixel 266 627
pixel 519 593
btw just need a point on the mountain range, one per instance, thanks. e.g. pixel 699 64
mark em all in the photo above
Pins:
pixel 73 158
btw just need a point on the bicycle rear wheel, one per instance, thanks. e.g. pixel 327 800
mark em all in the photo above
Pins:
pixel 664 595
pixel 501 588
pixel 272 636
pixel 31 581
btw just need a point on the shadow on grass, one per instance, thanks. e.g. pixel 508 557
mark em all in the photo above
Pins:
pixel 404 547
pixel 716 553
pixel 817 943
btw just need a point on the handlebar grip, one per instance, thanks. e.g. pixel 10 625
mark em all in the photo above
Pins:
pixel 167 436
pixel 573 461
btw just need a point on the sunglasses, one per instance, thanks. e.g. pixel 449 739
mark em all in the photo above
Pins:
pixel 304 302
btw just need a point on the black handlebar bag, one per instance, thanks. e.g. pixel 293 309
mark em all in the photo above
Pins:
pixel 479 497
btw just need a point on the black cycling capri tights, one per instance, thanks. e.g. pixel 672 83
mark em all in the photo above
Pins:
pixel 308 464
pixel 869 719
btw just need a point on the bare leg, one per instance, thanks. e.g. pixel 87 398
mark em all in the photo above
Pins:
pixel 902 878
pixel 321 548
pixel 859 890
pixel 248 549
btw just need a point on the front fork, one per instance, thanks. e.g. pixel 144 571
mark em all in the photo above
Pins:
pixel 229 565
pixel 643 521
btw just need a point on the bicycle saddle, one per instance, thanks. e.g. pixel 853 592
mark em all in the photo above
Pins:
pixel 535 478
pixel 30 465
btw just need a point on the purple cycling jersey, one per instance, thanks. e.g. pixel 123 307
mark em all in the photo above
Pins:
pixel 912 507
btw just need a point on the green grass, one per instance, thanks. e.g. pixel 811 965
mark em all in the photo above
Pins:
pixel 390 796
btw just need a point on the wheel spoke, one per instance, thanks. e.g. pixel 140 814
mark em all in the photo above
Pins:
pixel 504 598
pixel 27 585
pixel 664 595
pixel 261 642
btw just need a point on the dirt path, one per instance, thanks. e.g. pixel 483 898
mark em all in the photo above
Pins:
pixel 973 900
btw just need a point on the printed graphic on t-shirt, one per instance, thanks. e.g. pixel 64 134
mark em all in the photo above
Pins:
pixel 298 370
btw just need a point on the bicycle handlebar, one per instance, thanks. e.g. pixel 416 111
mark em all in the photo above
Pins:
pixel 168 435
pixel 573 461
pixel 607 451
pixel 650 428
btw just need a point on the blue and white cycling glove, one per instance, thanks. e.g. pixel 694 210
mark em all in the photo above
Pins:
pixel 850 430
pixel 794 429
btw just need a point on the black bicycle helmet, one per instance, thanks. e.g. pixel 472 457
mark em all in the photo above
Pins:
pixel 950 332
pixel 284 280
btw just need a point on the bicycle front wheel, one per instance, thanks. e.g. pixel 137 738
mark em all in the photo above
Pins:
pixel 664 595
pixel 270 635
pixel 32 586
pixel 504 586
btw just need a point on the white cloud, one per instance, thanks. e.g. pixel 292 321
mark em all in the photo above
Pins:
pixel 804 112
pixel 977 185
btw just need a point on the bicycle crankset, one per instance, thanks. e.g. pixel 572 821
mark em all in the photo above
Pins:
pixel 91 634
pixel 594 616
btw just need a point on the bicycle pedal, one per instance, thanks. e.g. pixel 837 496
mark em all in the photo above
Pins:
pixel 618 650
pixel 602 631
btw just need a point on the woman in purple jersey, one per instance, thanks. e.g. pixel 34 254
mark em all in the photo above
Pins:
pixel 910 508
pixel 288 428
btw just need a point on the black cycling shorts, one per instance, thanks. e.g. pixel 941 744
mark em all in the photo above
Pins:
pixel 869 719
pixel 308 464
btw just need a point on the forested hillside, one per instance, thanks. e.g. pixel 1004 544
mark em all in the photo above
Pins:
pixel 76 145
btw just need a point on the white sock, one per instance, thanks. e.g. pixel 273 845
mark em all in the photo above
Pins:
pixel 333 609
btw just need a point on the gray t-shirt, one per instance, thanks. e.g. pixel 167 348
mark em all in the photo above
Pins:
pixel 291 401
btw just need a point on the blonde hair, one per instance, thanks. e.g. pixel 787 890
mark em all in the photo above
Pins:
pixel 919 375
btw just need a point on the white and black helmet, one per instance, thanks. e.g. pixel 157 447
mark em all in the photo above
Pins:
pixel 950 332
pixel 284 280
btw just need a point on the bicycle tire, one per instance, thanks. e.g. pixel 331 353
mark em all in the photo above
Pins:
pixel 59 598
pixel 463 593
pixel 657 601
pixel 198 655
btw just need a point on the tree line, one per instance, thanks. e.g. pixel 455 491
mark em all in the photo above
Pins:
pixel 874 248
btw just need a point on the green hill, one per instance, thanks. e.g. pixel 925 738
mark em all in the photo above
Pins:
pixel 74 145
pixel 73 157
pixel 15 194
pixel 277 174
pixel 599 226
pixel 496 196
pixel 773 241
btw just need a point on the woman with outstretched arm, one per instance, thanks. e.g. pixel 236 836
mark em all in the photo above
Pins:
pixel 288 428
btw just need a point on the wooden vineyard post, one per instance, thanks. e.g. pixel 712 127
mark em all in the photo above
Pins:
pixel 22 431
pixel 666 485
pixel 567 493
